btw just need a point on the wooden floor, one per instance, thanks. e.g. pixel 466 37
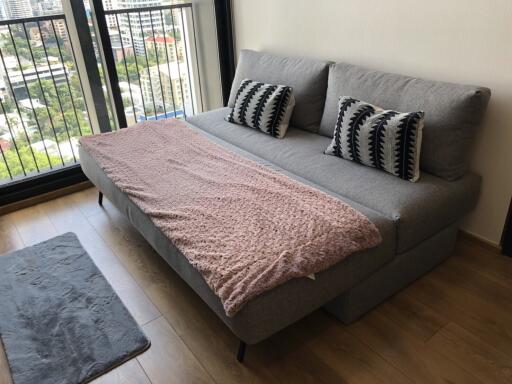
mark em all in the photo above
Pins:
pixel 452 326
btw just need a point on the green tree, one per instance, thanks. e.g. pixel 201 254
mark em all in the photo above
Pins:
pixel 15 166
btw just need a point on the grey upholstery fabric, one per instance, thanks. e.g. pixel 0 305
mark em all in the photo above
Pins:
pixel 419 210
pixel 60 320
pixel 307 77
pixel 452 111
pixel 275 309
pixel 397 274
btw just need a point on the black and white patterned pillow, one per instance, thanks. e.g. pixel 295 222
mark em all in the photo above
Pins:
pixel 263 106
pixel 383 139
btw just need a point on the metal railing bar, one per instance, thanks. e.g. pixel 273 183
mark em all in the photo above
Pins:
pixel 28 91
pixel 158 61
pixel 67 79
pixel 44 97
pixel 136 65
pixel 188 64
pixel 197 58
pixel 147 64
pixel 56 89
pixel 126 67
pixel 22 20
pixel 18 110
pixel 146 9
pixel 168 63
pixel 178 62
pixel 78 74
pixel 12 137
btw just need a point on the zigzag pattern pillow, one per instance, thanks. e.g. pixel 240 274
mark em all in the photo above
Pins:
pixel 263 106
pixel 383 139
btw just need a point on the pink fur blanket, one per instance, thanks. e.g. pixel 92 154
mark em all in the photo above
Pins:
pixel 245 227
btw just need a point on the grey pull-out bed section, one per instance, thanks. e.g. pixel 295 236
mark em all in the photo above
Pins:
pixel 275 309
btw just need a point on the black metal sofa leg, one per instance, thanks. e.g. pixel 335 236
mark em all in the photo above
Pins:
pixel 241 352
pixel 100 199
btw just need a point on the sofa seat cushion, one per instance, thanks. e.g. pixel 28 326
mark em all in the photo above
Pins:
pixel 419 210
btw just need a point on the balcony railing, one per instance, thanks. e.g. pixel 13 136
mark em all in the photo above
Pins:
pixel 43 110
pixel 156 61
pixel 42 107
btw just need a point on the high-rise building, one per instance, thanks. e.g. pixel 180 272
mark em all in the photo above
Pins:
pixel 167 47
pixel 61 30
pixel 46 7
pixel 138 25
pixel 175 90
pixel 17 9
pixel 111 19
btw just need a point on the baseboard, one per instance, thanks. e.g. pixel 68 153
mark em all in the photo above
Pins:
pixel 489 245
pixel 4 209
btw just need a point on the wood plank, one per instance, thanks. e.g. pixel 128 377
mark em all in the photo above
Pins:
pixel 168 360
pixel 5 375
pixel 480 260
pixel 319 347
pixel 486 362
pixel 414 317
pixel 129 373
pixel 33 225
pixel 417 360
pixel 475 310
pixel 87 201
pixel 10 238
pixel 44 197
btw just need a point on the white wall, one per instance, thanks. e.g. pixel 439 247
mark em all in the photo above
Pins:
pixel 465 41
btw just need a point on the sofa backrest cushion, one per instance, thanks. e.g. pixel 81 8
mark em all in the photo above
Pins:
pixel 452 111
pixel 307 77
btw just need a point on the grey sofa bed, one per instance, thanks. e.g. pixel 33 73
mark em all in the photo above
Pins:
pixel 418 221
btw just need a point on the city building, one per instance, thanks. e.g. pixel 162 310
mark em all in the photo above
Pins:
pixel 175 90
pixel 47 7
pixel 119 50
pixel 111 19
pixel 30 75
pixel 61 30
pixel 35 36
pixel 17 9
pixel 138 25
pixel 174 48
